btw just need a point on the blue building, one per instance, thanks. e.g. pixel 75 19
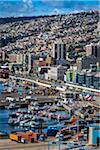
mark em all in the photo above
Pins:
pixel 94 134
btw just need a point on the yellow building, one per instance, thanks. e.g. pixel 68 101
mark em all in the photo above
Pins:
pixel 49 61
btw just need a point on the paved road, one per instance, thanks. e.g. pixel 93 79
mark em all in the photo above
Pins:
pixel 63 88
pixel 11 145
pixel 24 147
pixel 16 95
pixel 27 147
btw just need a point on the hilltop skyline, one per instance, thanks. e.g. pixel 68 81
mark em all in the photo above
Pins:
pixel 18 8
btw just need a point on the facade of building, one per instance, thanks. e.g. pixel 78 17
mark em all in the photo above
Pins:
pixel 57 72
pixel 49 61
pixel 89 80
pixel 96 80
pixel 79 64
pixel 31 61
pixel 94 135
pixel 4 72
pixel 85 62
pixel 59 53
pixel 16 58
pixel 13 58
pixel 93 49
pixel 42 62
pixel 70 76
pixel 83 78
pixel 2 56
pixel 19 58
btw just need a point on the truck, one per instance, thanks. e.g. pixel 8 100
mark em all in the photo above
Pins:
pixel 24 135
pixel 9 99
pixel 17 138
pixel 34 135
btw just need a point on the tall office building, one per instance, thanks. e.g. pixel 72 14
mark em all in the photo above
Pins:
pixel 28 61
pixel 3 56
pixel 59 52
pixel 86 62
pixel 93 49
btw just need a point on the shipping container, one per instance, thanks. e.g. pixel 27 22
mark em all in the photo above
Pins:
pixel 15 137
pixel 26 136
pixel 33 134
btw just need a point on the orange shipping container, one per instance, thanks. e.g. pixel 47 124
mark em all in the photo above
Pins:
pixel 26 136
pixel 15 137
pixel 33 134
